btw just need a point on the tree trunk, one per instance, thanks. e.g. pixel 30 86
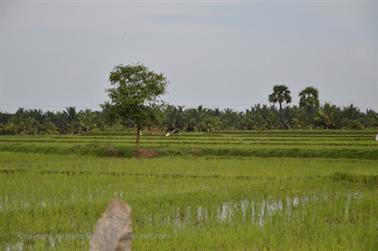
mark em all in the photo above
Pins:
pixel 137 137
pixel 282 117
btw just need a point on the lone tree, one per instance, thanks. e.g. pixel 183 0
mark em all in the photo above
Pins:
pixel 134 94
pixel 280 95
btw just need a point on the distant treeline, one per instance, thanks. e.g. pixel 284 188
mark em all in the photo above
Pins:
pixel 258 117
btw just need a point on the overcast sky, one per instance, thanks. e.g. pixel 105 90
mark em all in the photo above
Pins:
pixel 58 53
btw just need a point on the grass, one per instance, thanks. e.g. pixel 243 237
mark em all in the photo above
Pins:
pixel 213 193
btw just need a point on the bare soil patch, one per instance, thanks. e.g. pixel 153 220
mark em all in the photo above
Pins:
pixel 144 153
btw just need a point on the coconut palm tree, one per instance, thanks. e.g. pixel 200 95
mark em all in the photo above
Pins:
pixel 87 120
pixel 71 118
pixel 329 116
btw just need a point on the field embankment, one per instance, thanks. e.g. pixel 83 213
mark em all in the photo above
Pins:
pixel 302 144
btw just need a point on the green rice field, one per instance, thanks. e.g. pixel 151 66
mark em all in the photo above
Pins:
pixel 230 190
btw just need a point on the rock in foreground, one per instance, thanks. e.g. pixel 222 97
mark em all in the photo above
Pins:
pixel 114 229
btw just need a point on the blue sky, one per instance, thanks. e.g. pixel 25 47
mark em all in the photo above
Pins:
pixel 59 53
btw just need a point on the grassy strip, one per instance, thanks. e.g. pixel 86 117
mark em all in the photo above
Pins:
pixel 127 151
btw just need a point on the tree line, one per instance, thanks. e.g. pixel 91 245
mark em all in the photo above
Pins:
pixel 134 104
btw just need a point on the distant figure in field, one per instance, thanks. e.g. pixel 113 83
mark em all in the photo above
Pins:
pixel 376 137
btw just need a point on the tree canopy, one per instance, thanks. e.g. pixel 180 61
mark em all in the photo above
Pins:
pixel 280 95
pixel 134 94
pixel 309 97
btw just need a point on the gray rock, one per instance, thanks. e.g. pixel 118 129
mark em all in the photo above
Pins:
pixel 114 229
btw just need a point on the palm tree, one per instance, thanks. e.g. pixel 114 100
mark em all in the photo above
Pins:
pixel 4 118
pixel 213 124
pixel 352 112
pixel 201 117
pixel 71 117
pixel 329 116
pixel 309 97
pixel 87 119
pixel 50 128
pixel 309 102
pixel 371 118
pixel 280 95
pixel 231 119
pixel 174 117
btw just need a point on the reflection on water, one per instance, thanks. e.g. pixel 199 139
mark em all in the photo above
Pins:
pixel 246 211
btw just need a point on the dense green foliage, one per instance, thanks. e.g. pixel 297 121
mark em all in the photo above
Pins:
pixel 207 197
pixel 134 103
pixel 259 117
pixel 134 95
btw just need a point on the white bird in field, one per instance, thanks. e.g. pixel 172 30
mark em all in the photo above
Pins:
pixel 167 135
pixel 376 138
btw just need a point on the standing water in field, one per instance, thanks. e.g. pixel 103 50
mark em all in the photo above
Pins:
pixel 246 211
